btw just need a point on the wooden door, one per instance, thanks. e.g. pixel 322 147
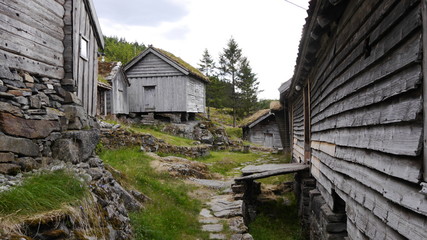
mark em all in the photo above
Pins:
pixel 150 98
pixel 268 140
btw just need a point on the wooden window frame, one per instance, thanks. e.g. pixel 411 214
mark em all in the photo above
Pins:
pixel 86 40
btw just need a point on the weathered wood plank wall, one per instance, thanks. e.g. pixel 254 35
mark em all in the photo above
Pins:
pixel 269 126
pixel 366 119
pixel 120 103
pixel 31 36
pixel 84 71
pixel 298 129
pixel 196 96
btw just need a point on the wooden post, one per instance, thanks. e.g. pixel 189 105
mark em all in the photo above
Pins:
pixel 307 127
pixel 424 26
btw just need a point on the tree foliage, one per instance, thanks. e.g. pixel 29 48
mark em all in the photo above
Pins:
pixel 119 50
pixel 247 83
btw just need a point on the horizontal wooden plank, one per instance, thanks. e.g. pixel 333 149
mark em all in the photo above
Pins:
pixel 280 169
pixel 19 62
pixel 21 29
pixel 409 224
pixel 53 6
pixel 397 191
pixel 34 17
pixel 399 139
pixel 354 49
pixel 392 64
pixel 394 111
pixel 366 223
pixel 27 48
pixel 380 58
pixel 402 167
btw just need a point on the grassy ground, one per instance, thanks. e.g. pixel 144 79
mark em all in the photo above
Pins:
pixel 224 162
pixel 276 220
pixel 171 214
pixel 42 193
pixel 173 140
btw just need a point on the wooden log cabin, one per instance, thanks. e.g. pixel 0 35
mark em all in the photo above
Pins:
pixel 163 83
pixel 356 107
pixel 53 38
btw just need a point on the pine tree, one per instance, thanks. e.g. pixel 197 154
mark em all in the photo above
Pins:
pixel 229 66
pixel 207 64
pixel 247 84
pixel 207 67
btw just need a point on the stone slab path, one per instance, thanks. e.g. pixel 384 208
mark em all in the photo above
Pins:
pixel 224 210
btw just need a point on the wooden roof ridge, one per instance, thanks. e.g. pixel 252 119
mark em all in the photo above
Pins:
pixel 170 58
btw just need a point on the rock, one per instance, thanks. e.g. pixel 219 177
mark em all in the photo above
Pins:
pixel 14 83
pixel 27 163
pixel 210 220
pixel 6 95
pixel 205 213
pixel 77 117
pixel 7 107
pixel 3 88
pixel 217 236
pixel 7 157
pixel 95 162
pixel 212 227
pixel 72 98
pixel 18 145
pixel 95 173
pixel 87 140
pixel 21 127
pixel 5 72
pixel 237 225
pixel 214 184
pixel 9 168
pixel 66 150
pixel 28 78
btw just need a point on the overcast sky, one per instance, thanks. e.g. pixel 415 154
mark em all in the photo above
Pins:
pixel 268 31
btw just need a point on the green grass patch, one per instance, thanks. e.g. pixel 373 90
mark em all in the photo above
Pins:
pixel 276 220
pixel 41 193
pixel 171 214
pixel 156 132
pixel 234 133
pixel 224 162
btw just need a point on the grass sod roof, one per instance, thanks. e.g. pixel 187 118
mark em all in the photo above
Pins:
pixel 247 121
pixel 194 71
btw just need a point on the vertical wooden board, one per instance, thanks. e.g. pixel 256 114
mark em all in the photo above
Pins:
pixel 424 66
pixel 76 12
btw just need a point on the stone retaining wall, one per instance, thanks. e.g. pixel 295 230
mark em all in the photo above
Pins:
pixel 116 138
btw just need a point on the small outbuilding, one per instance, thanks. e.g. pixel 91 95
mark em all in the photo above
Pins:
pixel 163 83
pixel 262 128
pixel 112 89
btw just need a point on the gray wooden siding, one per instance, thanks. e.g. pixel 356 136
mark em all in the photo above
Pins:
pixel 196 96
pixel 31 36
pixel 152 66
pixel 83 71
pixel 366 120
pixel 120 100
pixel 170 93
pixel 298 129
pixel 257 134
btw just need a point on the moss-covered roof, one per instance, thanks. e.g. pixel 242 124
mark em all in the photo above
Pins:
pixel 247 121
pixel 194 71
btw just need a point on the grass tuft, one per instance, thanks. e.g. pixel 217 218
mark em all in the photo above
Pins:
pixel 171 214
pixel 40 193
pixel 224 162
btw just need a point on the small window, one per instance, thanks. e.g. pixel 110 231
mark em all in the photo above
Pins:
pixel 83 48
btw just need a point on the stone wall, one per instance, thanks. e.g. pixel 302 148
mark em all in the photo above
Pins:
pixel 116 138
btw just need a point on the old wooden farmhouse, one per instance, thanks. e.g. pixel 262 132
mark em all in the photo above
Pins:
pixel 112 89
pixel 54 38
pixel 163 83
pixel 262 128
pixel 356 113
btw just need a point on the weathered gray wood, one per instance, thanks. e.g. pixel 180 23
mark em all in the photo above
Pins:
pixel 396 111
pixel 152 66
pixel 77 6
pixel 285 169
pixel 34 16
pixel 354 233
pixel 394 190
pixel 400 58
pixel 53 6
pixel 60 1
pixel 353 50
pixel 424 67
pixel 407 223
pixel 402 167
pixel 400 139
pixel 15 61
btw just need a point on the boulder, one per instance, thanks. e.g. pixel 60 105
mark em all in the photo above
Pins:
pixel 76 146
pixel 77 117
pixel 27 128
pixel 21 146
pixel 9 168
pixel 66 150
pixel 7 157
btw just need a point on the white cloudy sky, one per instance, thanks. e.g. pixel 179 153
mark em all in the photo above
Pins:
pixel 268 31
